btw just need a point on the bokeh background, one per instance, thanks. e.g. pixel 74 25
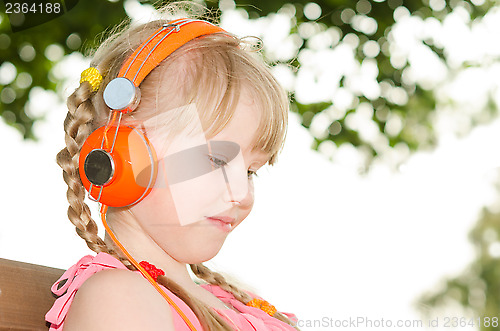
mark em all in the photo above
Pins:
pixel 384 205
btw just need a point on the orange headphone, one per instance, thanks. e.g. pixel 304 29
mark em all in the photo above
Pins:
pixel 112 155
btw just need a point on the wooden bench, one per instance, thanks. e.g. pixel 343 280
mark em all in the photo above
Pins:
pixel 25 295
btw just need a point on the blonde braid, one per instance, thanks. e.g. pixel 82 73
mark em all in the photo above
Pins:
pixel 209 319
pixel 215 278
pixel 78 126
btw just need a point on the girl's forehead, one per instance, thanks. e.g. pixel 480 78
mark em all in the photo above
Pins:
pixel 244 121
pixel 243 129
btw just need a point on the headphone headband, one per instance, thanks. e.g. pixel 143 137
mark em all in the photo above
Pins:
pixel 155 49
pixel 122 93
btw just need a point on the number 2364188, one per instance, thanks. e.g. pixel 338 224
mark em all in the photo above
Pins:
pixel 26 8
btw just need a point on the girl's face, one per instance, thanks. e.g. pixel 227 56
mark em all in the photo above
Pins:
pixel 204 187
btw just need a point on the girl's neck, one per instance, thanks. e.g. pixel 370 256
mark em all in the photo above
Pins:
pixel 143 248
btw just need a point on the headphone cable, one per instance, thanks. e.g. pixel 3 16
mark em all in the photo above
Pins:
pixel 103 210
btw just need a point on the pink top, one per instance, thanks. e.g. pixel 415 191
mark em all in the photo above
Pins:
pixel 246 319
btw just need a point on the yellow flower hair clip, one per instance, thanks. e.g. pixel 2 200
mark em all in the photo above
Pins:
pixel 93 77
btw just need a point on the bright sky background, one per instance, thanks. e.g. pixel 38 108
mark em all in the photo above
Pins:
pixel 322 240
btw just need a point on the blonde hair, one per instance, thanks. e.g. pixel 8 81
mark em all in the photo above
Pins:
pixel 217 72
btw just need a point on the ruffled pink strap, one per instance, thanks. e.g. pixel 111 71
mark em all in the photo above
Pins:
pixel 73 278
pixel 248 318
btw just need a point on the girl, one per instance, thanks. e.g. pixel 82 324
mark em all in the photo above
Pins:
pixel 166 130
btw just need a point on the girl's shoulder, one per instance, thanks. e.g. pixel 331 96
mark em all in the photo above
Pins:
pixel 120 300
pixel 101 292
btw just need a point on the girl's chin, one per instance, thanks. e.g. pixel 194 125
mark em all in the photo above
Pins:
pixel 204 255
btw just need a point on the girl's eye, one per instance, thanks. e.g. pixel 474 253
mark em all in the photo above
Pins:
pixel 216 161
pixel 221 163
pixel 252 173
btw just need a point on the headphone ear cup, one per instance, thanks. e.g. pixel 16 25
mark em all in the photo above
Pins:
pixel 122 177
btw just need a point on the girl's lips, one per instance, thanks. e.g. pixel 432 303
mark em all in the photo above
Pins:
pixel 225 219
pixel 224 223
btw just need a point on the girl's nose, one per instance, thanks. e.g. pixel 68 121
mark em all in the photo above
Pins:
pixel 244 200
pixel 239 189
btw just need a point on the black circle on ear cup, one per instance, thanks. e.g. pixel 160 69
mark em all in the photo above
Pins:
pixel 99 167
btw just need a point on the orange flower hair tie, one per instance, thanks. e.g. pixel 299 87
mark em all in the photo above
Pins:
pixel 263 305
